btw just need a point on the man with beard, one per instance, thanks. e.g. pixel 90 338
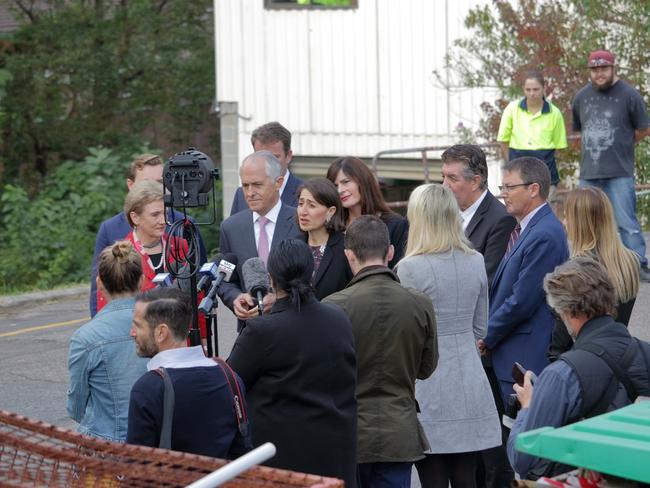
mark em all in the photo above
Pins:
pixel 611 117
pixel 202 407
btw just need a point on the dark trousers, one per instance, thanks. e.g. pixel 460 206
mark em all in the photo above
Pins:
pixel 493 469
pixel 385 475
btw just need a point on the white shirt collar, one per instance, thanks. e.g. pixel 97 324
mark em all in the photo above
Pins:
pixel 272 214
pixel 526 220
pixel 469 212
pixel 284 182
pixel 181 357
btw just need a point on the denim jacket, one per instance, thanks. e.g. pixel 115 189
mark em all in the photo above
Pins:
pixel 103 366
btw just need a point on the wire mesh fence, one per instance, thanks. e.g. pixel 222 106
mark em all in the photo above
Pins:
pixel 36 454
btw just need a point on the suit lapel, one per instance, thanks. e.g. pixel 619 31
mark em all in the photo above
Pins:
pixel 248 232
pixel 478 216
pixel 327 257
pixel 541 213
pixel 283 225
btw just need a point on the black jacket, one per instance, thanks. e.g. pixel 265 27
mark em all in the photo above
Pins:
pixel 398 229
pixel 603 346
pixel 334 272
pixel 489 231
pixel 299 369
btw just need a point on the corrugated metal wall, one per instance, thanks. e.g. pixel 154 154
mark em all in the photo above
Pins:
pixel 351 81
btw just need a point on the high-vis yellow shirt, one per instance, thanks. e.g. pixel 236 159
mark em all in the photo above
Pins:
pixel 523 130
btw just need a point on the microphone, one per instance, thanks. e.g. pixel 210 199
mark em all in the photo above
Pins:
pixel 162 280
pixel 209 271
pixel 224 272
pixel 257 280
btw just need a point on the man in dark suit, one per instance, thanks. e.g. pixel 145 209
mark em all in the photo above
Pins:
pixel 485 221
pixel 520 322
pixel 254 231
pixel 488 226
pixel 275 138
pixel 143 167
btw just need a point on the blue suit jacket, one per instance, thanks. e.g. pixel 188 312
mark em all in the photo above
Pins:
pixel 115 229
pixel 288 196
pixel 520 322
pixel 237 236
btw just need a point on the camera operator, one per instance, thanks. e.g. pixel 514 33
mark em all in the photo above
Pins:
pixel 604 370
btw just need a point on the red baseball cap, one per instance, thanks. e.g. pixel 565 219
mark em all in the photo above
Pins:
pixel 602 57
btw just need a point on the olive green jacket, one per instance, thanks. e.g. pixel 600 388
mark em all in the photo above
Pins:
pixel 395 341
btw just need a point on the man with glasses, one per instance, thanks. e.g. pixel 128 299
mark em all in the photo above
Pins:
pixel 520 323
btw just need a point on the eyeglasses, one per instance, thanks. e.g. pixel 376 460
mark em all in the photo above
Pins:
pixel 509 188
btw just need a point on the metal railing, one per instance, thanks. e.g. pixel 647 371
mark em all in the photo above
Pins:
pixel 423 152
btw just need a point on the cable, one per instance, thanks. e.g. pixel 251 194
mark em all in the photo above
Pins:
pixel 182 256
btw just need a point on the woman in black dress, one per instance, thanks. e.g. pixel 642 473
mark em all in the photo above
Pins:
pixel 299 367
pixel 320 217
pixel 360 195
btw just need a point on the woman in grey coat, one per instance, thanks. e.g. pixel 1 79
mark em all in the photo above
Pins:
pixel 457 409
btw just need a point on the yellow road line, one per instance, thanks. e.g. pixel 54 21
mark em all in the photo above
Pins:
pixel 43 327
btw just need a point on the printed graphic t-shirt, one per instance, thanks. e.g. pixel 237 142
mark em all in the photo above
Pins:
pixel 607 120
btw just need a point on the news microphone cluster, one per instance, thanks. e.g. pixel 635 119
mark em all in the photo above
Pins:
pixel 224 272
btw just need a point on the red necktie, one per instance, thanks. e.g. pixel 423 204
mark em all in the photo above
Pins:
pixel 514 236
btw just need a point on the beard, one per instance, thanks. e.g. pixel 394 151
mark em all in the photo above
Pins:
pixel 605 85
pixel 146 348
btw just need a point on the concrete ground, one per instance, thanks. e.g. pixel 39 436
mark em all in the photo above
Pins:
pixel 35 330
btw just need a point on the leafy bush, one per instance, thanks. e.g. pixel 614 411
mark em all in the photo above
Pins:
pixel 49 240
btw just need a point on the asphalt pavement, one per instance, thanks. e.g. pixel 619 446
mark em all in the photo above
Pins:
pixel 34 337
pixel 35 331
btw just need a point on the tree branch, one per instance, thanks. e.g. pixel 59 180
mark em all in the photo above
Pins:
pixel 29 12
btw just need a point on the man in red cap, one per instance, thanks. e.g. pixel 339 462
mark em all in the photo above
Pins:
pixel 611 117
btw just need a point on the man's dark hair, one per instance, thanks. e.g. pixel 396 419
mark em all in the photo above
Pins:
pixel 367 237
pixel 580 286
pixel 270 133
pixel 531 170
pixel 472 157
pixel 169 305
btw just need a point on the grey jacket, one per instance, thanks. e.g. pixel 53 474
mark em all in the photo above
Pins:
pixel 457 409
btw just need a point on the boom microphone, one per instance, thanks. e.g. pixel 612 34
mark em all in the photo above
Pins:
pixel 257 280
pixel 224 272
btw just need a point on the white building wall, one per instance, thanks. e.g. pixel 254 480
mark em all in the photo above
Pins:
pixel 345 81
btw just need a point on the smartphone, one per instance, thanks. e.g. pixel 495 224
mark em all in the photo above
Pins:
pixel 518 372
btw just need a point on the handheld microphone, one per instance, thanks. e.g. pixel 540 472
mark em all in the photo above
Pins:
pixel 209 271
pixel 224 272
pixel 162 280
pixel 257 280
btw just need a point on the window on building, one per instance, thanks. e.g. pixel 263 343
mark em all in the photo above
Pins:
pixel 309 4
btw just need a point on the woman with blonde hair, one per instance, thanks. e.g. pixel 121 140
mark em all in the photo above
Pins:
pixel 457 408
pixel 592 232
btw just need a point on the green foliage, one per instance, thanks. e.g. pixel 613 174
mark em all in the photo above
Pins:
pixel 89 73
pixel 49 240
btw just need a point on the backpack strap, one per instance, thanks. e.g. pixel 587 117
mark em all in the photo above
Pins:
pixel 619 371
pixel 238 402
pixel 168 409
